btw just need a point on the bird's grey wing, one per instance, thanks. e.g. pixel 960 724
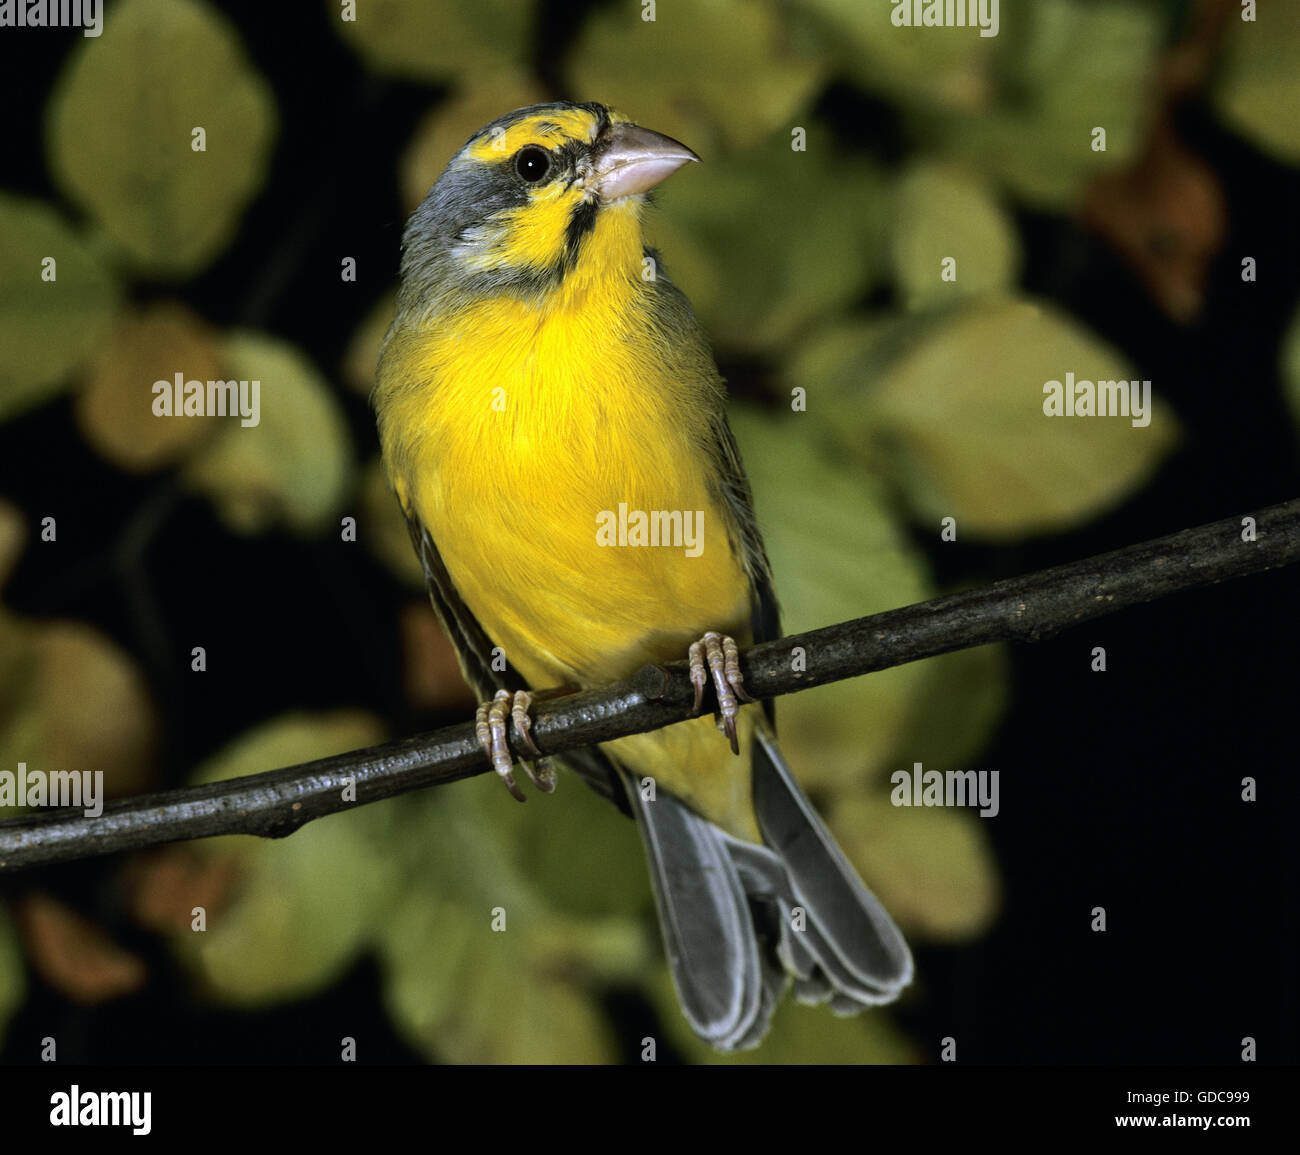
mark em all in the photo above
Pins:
pixel 738 499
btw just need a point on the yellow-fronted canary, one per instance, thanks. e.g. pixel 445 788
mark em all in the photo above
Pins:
pixel 541 377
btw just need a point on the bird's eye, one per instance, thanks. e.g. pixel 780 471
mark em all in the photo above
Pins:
pixel 532 163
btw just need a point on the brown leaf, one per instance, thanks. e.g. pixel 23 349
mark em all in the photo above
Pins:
pixel 163 888
pixel 73 955
pixel 1168 216
pixel 13 537
pixel 115 408
pixel 1167 213
pixel 432 675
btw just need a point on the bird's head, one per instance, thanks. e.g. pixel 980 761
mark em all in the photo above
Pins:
pixel 541 194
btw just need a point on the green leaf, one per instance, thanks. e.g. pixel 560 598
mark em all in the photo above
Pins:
pixel 836 553
pixel 759 266
pixel 946 212
pixel 939 68
pixel 434 40
pixel 1258 88
pixel 955 406
pixel 1066 68
pixel 307 904
pixel 296 464
pixel 713 73
pixel 579 827
pixel 480 964
pixel 120 132
pixel 463 993
pixel 13 977
pixel 47 328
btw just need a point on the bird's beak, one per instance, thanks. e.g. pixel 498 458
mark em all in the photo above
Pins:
pixel 628 159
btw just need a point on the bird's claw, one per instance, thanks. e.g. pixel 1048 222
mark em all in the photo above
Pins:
pixel 717 655
pixel 490 728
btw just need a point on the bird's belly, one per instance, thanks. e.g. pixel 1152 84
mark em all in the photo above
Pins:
pixel 584 559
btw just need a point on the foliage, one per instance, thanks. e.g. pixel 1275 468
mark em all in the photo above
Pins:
pixel 895 397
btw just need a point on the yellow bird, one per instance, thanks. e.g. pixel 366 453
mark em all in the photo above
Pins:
pixel 553 424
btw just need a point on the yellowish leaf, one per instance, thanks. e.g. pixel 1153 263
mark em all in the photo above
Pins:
pixel 945 213
pixel 78 704
pixel 932 867
pixel 954 407
pixel 295 465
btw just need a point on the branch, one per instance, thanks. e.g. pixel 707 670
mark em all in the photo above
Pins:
pixel 1023 609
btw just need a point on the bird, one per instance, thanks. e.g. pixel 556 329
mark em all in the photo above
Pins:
pixel 541 376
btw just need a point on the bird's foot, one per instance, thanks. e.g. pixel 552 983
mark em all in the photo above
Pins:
pixel 717 654
pixel 490 727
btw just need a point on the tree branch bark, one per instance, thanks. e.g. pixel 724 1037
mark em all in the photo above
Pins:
pixel 1022 609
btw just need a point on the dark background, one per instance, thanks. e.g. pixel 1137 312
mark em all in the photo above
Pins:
pixel 1126 785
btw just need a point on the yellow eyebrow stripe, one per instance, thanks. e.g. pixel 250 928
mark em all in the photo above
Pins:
pixel 545 129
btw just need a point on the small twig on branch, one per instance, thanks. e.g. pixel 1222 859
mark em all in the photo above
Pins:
pixel 1023 609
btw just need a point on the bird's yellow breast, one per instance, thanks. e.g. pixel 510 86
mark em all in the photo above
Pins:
pixel 533 428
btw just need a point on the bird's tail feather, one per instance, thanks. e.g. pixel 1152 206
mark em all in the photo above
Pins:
pixel 856 942
pixel 708 933
pixel 730 911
